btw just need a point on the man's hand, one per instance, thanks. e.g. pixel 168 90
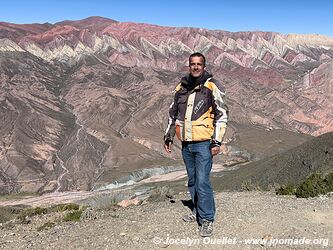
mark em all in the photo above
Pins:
pixel 215 150
pixel 167 147
pixel 222 149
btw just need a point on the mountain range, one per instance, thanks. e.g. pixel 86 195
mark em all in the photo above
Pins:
pixel 85 102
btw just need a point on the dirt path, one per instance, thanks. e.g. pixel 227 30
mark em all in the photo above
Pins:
pixel 286 222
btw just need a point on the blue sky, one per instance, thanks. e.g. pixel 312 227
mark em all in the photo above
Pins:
pixel 303 17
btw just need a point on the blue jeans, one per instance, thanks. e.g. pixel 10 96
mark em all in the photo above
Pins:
pixel 198 161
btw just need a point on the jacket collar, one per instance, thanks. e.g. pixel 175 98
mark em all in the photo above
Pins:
pixel 189 82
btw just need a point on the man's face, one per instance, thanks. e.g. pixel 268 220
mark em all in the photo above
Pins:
pixel 197 66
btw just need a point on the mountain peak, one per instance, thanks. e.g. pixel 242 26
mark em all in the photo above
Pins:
pixel 92 23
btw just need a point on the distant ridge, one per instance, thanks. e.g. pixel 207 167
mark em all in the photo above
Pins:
pixel 290 167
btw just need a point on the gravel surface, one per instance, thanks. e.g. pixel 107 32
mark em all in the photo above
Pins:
pixel 285 222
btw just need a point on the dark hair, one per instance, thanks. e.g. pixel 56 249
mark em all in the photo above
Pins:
pixel 197 54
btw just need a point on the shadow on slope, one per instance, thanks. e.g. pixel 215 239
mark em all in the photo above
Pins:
pixel 290 167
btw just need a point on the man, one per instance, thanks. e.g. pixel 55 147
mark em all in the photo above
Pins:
pixel 198 116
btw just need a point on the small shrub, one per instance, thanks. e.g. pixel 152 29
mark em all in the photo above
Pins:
pixel 313 186
pixel 6 214
pixel 328 182
pixel 73 215
pixel 40 210
pixel 89 214
pixel 286 190
pixel 46 226
pixel 248 185
pixel 25 214
pixel 64 207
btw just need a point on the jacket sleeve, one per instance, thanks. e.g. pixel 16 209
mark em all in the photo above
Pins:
pixel 221 113
pixel 171 129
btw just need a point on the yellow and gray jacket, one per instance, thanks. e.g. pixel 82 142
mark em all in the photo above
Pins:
pixel 199 113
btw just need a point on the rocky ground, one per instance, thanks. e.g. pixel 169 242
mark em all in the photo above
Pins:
pixel 241 216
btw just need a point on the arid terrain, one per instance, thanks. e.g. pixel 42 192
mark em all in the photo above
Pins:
pixel 84 103
pixel 245 220
pixel 143 216
pixel 83 109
